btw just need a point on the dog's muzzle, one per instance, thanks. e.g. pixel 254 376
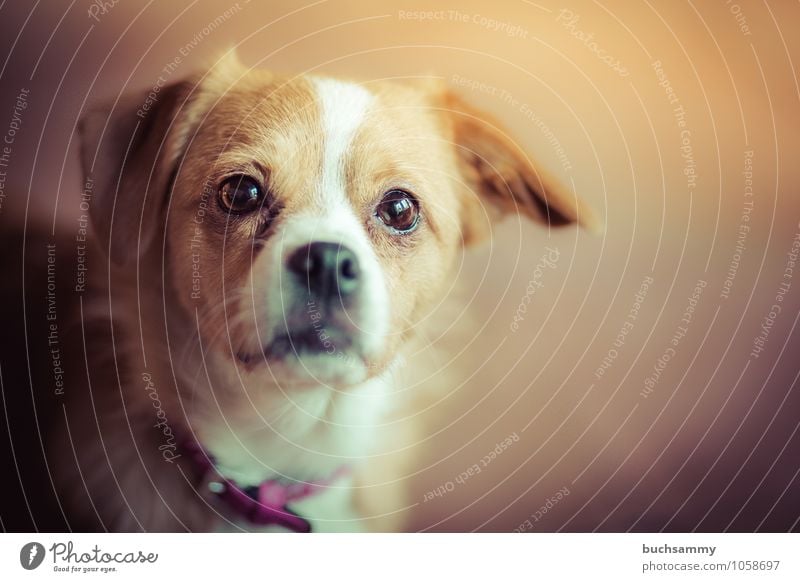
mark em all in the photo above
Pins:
pixel 326 310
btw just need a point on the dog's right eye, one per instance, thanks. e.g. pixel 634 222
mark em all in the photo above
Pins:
pixel 240 194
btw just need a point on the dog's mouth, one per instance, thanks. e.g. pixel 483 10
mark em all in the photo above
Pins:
pixel 304 343
pixel 309 341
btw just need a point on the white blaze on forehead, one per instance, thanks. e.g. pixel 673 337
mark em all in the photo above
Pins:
pixel 344 106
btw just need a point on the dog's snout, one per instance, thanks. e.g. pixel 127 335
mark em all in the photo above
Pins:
pixel 326 269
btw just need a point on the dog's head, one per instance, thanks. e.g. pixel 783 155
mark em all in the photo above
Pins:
pixel 306 224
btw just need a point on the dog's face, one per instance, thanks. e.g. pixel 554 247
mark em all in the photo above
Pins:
pixel 307 223
pixel 329 217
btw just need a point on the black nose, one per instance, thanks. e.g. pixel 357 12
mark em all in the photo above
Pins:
pixel 327 269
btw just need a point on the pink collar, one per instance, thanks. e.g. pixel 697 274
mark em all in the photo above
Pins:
pixel 263 504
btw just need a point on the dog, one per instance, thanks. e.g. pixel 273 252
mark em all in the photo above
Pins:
pixel 265 248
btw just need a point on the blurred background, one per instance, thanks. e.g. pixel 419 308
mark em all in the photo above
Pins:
pixel 638 380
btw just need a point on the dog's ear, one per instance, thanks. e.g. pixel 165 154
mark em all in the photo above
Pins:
pixel 131 148
pixel 497 171
pixel 129 151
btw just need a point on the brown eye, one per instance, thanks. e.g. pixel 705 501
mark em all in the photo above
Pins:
pixel 240 194
pixel 398 210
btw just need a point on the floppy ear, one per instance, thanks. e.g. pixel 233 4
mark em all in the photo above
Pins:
pixel 129 151
pixel 499 173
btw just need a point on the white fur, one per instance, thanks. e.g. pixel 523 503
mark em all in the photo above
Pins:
pixel 344 106
pixel 298 434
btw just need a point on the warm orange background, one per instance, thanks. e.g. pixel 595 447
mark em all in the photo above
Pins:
pixel 717 422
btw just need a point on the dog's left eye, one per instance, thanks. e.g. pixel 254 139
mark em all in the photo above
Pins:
pixel 240 194
pixel 398 210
